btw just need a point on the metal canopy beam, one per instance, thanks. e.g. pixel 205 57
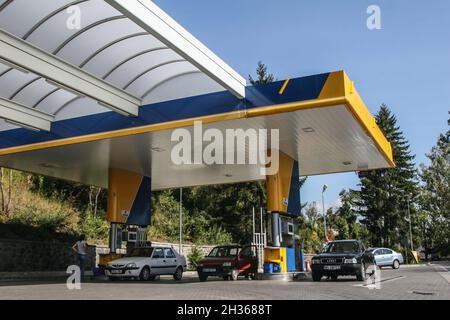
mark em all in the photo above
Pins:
pixel 65 75
pixel 155 21
pixel 23 116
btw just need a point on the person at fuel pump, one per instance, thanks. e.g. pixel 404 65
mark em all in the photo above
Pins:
pixel 80 248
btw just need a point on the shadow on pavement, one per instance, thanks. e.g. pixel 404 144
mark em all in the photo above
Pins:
pixel 165 280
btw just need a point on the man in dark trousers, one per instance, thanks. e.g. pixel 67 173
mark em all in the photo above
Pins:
pixel 80 247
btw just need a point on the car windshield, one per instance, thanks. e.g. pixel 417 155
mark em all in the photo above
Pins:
pixel 342 247
pixel 219 252
pixel 141 252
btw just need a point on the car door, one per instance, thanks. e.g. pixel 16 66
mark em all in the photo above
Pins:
pixel 378 255
pixel 170 261
pixel 388 257
pixel 157 262
pixel 385 257
pixel 247 260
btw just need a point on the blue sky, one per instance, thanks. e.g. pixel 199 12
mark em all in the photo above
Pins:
pixel 406 64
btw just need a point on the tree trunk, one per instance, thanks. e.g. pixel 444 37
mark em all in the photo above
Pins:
pixel 99 190
pixel 91 189
pixel 2 190
pixel 10 185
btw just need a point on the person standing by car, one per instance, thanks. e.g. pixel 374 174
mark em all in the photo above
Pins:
pixel 80 247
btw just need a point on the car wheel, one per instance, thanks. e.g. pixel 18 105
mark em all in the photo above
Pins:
pixel 234 275
pixel 334 277
pixel 145 274
pixel 396 264
pixel 202 278
pixel 225 278
pixel 178 275
pixel 316 276
pixel 361 275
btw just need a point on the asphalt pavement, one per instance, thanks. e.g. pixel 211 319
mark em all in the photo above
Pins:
pixel 409 282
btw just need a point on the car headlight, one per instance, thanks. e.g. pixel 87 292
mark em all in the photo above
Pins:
pixel 226 264
pixel 131 265
pixel 315 261
pixel 352 260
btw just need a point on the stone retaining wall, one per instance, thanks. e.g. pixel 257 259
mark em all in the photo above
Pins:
pixel 24 256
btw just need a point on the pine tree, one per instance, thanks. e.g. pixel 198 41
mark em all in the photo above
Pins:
pixel 435 196
pixel 262 75
pixel 385 193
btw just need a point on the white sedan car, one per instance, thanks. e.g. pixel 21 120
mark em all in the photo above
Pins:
pixel 385 257
pixel 147 263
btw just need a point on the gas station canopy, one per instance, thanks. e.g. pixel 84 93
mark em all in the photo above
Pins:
pixel 78 100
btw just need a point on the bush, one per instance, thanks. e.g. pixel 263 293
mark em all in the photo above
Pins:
pixel 95 229
pixel 165 218
pixel 195 257
pixel 53 218
pixel 218 235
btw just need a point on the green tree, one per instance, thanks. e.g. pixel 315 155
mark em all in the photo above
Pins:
pixel 311 229
pixel 195 257
pixel 344 219
pixel 228 206
pixel 165 216
pixel 6 186
pixel 348 212
pixel 384 193
pixel 435 197
pixel 262 76
pixel 83 197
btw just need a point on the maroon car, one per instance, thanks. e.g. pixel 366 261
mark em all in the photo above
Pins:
pixel 229 262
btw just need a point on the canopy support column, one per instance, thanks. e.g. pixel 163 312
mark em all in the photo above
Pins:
pixel 129 202
pixel 283 206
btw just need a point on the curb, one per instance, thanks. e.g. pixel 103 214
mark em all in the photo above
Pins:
pixel 415 265
pixel 36 275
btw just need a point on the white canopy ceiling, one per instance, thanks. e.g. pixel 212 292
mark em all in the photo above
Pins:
pixel 132 45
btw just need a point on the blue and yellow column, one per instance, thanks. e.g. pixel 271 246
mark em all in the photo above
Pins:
pixel 129 201
pixel 283 199
pixel 283 188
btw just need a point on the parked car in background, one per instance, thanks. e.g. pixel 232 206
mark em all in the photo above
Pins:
pixel 385 257
pixel 229 262
pixel 147 263
pixel 342 258
pixel 434 257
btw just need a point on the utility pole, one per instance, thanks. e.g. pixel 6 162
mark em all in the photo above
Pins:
pixel 180 249
pixel 410 227
pixel 324 188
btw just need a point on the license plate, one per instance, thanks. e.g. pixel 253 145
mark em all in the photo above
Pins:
pixel 332 267
pixel 209 270
pixel 116 271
